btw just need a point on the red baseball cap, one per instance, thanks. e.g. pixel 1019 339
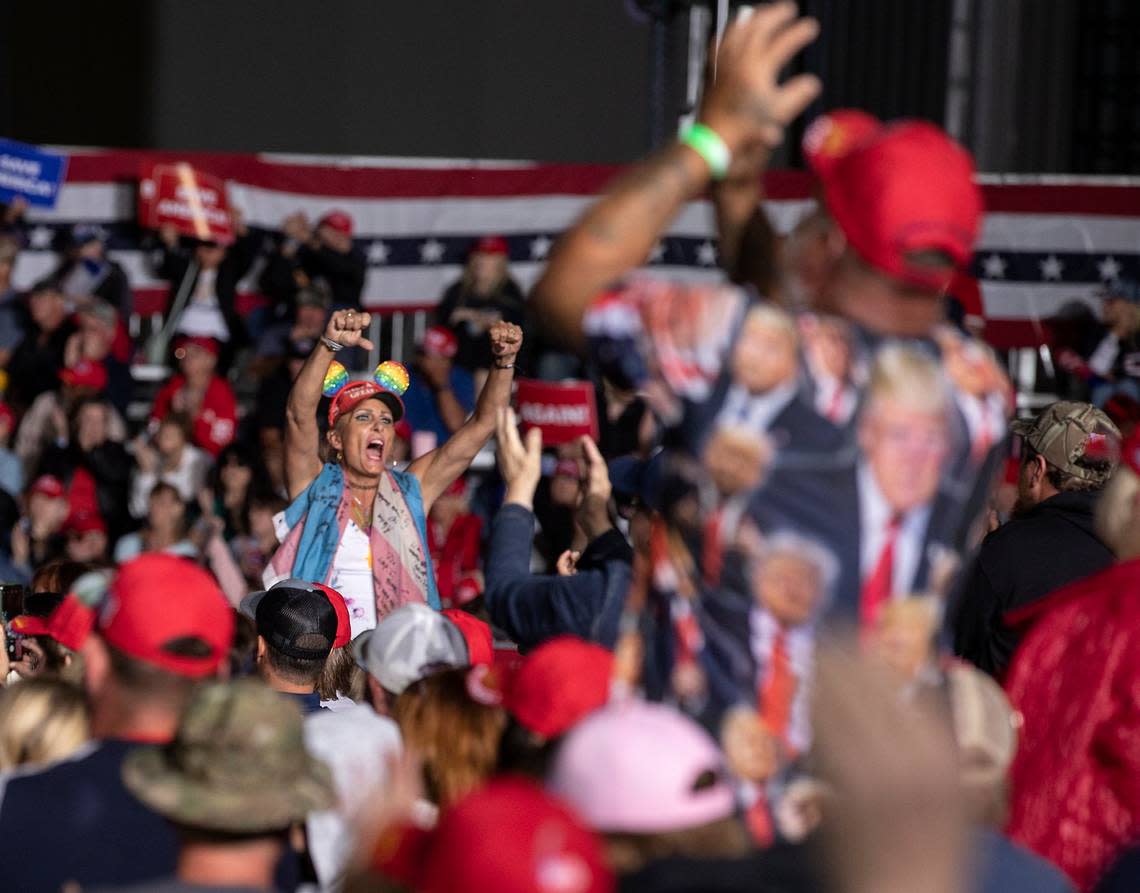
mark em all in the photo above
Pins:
pixel 29 625
pixel 559 683
pixel 210 345
pixel 491 245
pixel 150 604
pixel 547 850
pixel 896 189
pixel 359 391
pixel 47 485
pixel 85 374
pixel 441 342
pixel 477 635
pixel 85 522
pixel 338 220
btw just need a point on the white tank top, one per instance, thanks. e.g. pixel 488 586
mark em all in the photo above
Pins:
pixel 352 577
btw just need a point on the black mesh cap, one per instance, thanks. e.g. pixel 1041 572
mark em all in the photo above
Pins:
pixel 297 622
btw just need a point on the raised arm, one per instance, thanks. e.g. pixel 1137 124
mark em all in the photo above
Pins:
pixel 437 469
pixel 744 106
pixel 302 434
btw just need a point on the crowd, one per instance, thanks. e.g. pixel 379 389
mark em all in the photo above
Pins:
pixel 810 613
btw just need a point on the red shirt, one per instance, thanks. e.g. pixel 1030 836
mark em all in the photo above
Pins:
pixel 216 422
pixel 457 555
pixel 1075 782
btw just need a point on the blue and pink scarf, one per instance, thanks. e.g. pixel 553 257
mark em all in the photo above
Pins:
pixel 401 564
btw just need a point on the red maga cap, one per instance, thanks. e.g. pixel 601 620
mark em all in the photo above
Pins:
pixel 85 522
pixel 558 684
pixel 210 345
pixel 477 635
pixel 29 625
pixel 85 374
pixel 47 485
pixel 338 220
pixel 153 604
pixel 441 342
pixel 491 245
pixel 357 392
pixel 548 849
pixel 897 189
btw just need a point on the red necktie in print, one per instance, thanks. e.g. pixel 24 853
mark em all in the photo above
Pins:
pixel 778 690
pixel 877 588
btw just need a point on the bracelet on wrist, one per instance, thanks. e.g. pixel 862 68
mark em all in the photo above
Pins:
pixel 334 346
pixel 707 143
pixel 504 365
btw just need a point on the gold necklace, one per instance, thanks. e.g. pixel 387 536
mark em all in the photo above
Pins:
pixel 360 514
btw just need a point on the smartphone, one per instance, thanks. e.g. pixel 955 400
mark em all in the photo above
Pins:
pixel 12 597
pixel 15 646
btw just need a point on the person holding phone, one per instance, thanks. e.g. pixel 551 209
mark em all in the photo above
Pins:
pixel 355 522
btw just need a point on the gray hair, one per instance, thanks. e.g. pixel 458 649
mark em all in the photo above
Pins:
pixel 806 549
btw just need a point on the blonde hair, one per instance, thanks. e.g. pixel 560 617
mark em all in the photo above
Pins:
pixel 910 377
pixel 457 736
pixel 41 720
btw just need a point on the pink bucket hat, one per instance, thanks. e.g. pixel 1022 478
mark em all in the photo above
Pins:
pixel 615 772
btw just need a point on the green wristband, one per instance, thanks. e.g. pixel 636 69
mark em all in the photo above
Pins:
pixel 707 143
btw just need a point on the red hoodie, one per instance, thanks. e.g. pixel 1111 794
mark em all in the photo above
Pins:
pixel 1075 782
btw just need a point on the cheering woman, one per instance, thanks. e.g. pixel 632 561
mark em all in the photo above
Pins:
pixel 355 523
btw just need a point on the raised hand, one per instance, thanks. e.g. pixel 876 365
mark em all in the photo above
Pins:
pixel 745 103
pixel 506 339
pixel 348 328
pixel 593 511
pixel 520 464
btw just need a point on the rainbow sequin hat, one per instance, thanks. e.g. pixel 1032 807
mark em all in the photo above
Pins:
pixel 387 384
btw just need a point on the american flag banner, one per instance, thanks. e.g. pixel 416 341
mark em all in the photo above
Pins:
pixel 1045 241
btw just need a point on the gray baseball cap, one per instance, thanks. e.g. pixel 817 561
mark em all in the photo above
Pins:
pixel 409 644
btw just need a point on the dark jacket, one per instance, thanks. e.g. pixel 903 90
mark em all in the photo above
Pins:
pixel 475 346
pixel 112 286
pixel 34 366
pixel 173 264
pixel 532 608
pixel 1049 546
pixel 343 273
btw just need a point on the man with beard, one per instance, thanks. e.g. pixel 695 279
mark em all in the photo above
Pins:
pixel 1068 454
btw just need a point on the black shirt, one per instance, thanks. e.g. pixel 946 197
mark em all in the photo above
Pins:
pixel 76 821
pixel 1047 547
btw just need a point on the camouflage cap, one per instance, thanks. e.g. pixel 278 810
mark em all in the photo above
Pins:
pixel 1075 438
pixel 237 764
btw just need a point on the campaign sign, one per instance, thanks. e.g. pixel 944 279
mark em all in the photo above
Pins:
pixel 193 202
pixel 30 173
pixel 564 411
